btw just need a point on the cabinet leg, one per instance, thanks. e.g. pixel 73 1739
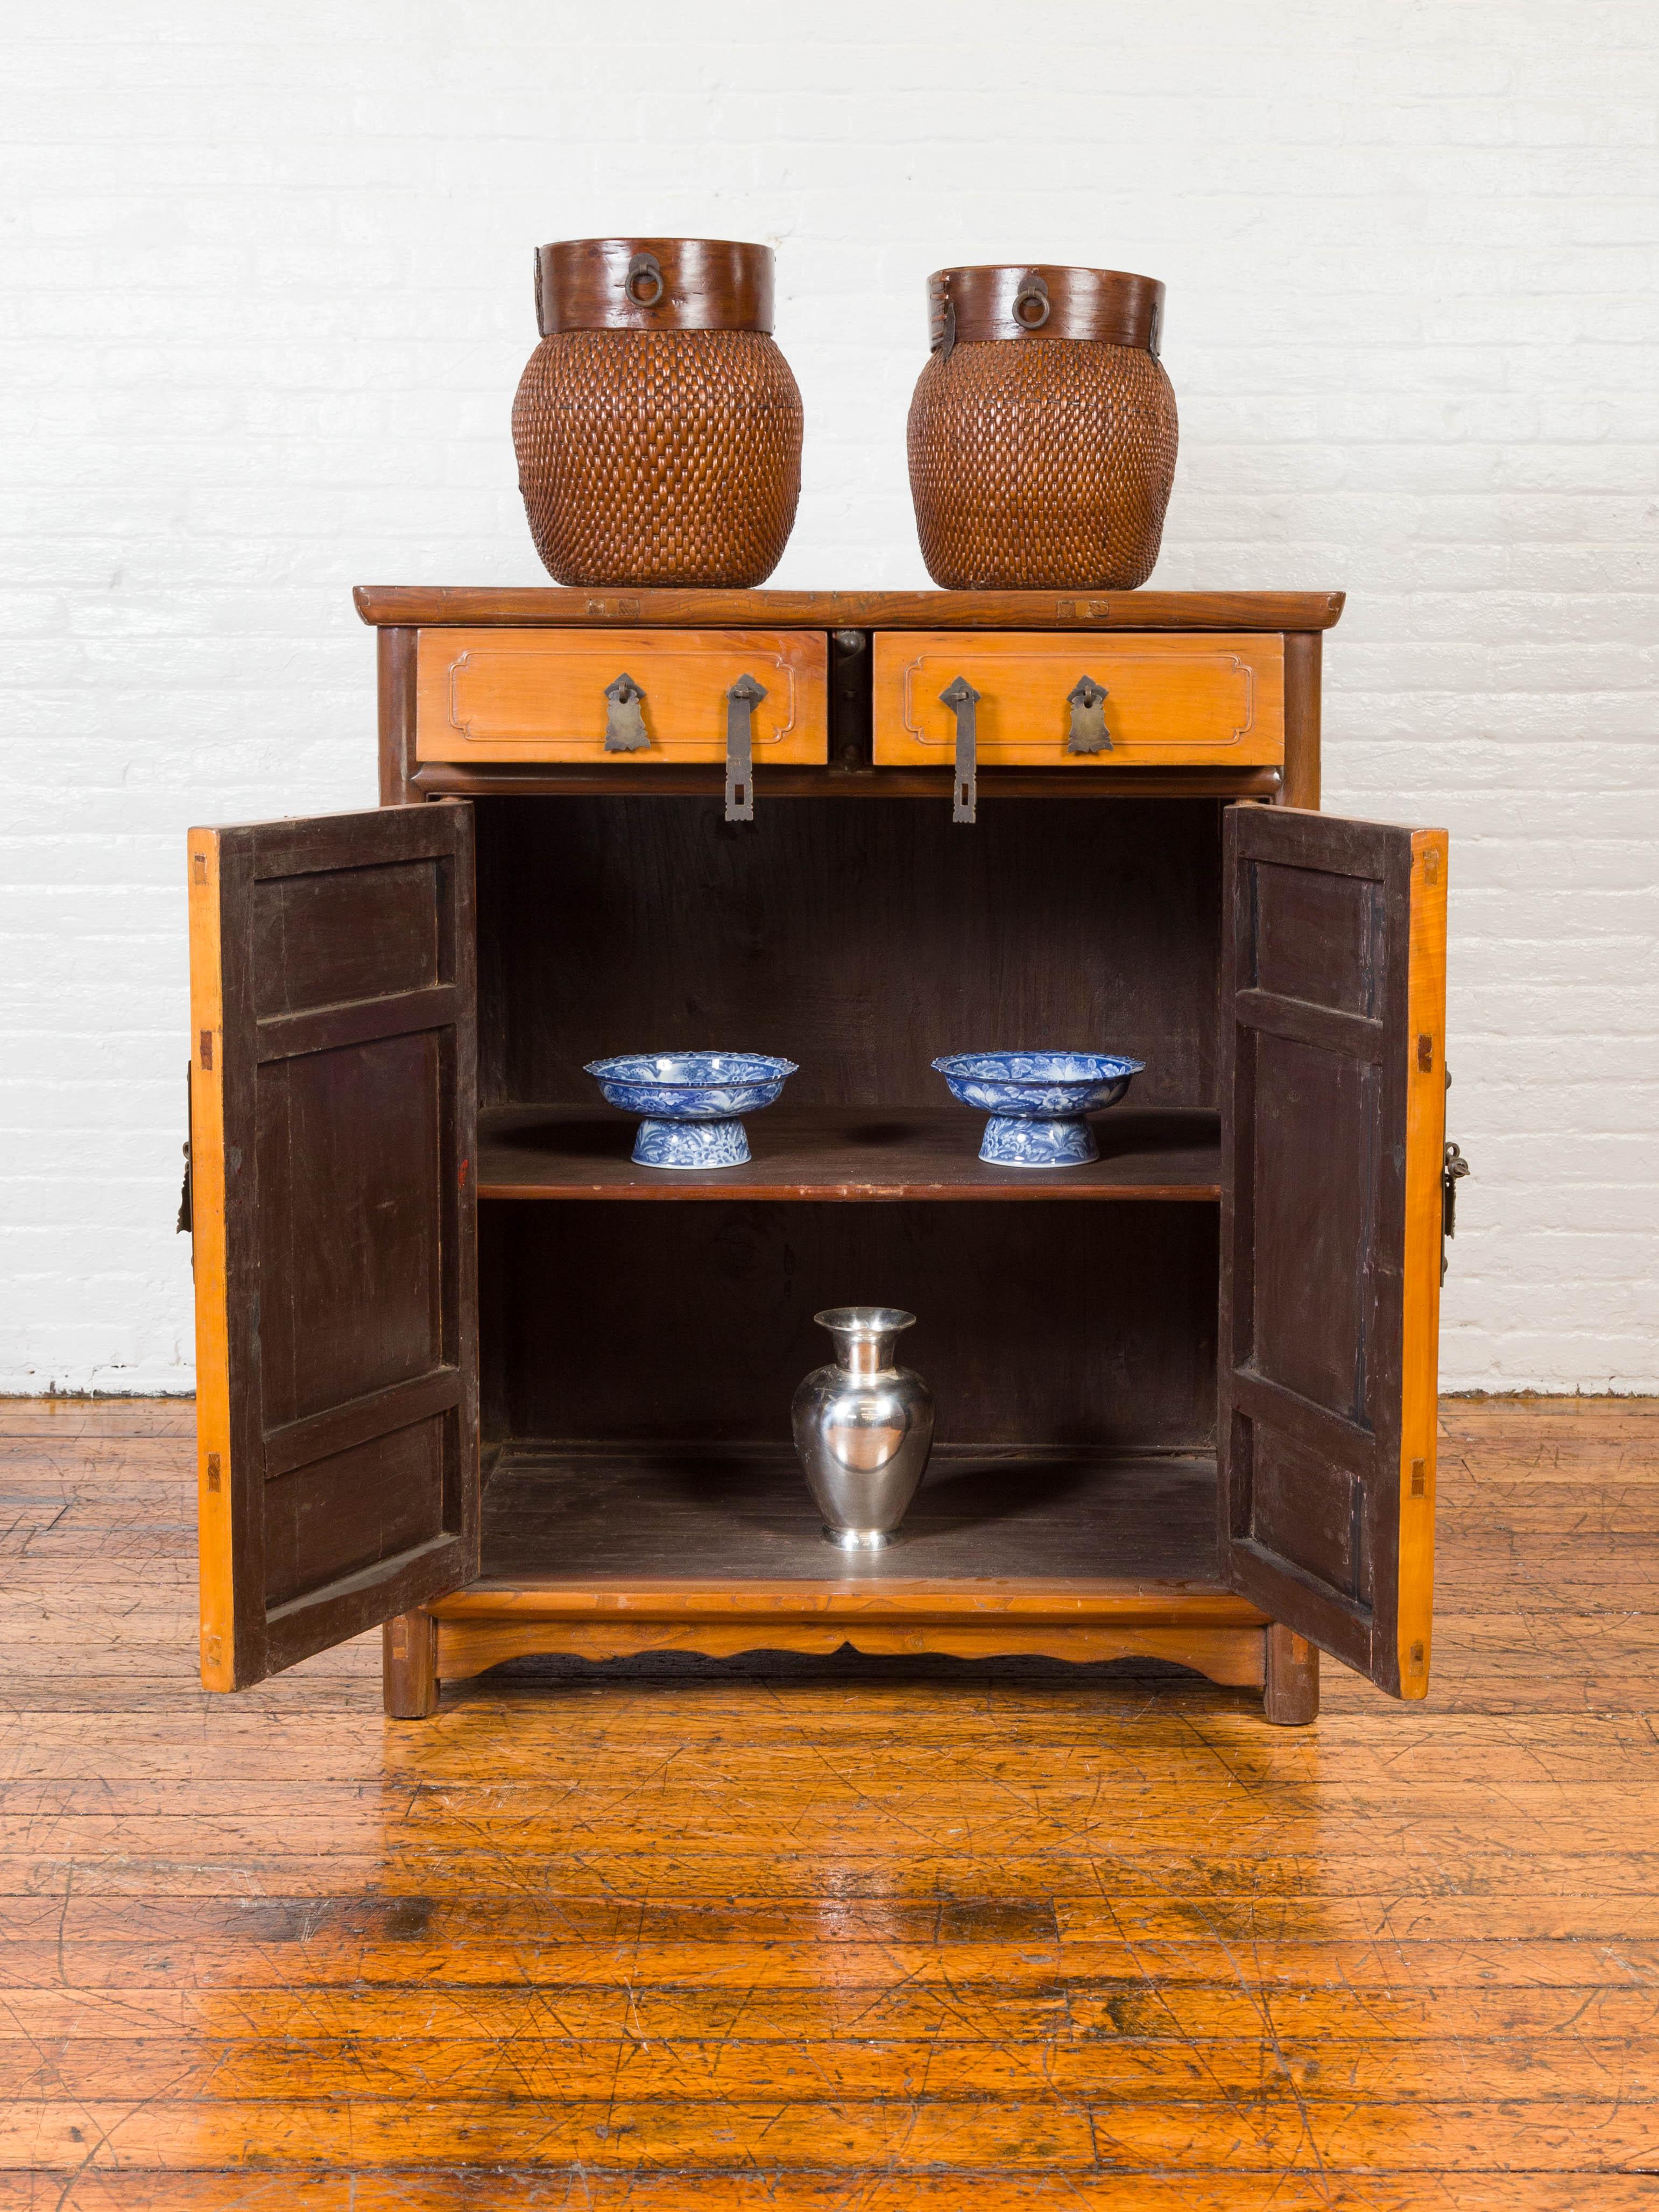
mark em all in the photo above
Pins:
pixel 1291 1696
pixel 410 1666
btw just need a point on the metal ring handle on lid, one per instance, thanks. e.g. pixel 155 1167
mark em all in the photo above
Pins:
pixel 1031 305
pixel 643 284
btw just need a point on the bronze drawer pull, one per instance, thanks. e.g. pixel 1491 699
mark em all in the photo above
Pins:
pixel 960 697
pixel 624 725
pixel 1089 734
pixel 741 702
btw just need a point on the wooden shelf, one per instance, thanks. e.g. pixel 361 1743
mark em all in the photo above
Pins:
pixel 539 606
pixel 843 1153
pixel 672 1527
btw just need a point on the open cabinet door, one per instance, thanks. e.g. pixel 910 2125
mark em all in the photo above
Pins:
pixel 1332 1087
pixel 334 1105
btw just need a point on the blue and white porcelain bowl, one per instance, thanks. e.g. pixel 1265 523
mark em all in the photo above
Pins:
pixel 691 1102
pixel 1037 1101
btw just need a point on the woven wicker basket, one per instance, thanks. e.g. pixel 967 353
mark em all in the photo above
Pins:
pixel 657 425
pixel 1043 431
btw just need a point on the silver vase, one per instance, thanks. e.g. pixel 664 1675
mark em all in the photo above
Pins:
pixel 863 1428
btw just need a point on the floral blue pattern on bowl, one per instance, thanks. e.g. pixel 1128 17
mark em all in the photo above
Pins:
pixel 691 1102
pixel 1037 1101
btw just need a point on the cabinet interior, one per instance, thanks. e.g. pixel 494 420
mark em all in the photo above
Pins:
pixel 638 1358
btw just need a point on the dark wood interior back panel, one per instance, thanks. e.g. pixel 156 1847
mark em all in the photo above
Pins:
pixel 347 1060
pixel 1052 1325
pixel 1315 1055
pixel 860 941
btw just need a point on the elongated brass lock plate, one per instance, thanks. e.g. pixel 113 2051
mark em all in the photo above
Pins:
pixel 741 702
pixel 960 697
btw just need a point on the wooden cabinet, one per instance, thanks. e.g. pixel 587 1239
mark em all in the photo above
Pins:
pixel 465 1370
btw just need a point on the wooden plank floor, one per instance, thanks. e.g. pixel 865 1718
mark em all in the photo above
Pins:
pixel 861 1937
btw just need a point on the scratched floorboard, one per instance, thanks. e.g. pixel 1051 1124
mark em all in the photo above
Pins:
pixel 778 1937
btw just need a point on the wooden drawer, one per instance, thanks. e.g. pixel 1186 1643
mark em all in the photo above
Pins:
pixel 1172 701
pixel 507 694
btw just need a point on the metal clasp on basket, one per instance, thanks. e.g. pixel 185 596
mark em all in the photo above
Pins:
pixel 643 282
pixel 1032 306
pixel 741 702
pixel 960 697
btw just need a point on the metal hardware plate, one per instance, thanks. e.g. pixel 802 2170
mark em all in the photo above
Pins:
pixel 624 725
pixel 1089 734
pixel 960 697
pixel 741 701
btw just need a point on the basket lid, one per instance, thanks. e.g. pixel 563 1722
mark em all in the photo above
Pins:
pixel 1036 300
pixel 652 284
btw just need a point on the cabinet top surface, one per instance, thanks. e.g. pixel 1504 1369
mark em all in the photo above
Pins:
pixel 416 606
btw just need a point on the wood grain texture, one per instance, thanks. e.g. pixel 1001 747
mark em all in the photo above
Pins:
pixel 1055 1327
pixel 409 1667
pixel 705 284
pixel 841 1154
pixel 395 691
pixel 336 1211
pixel 216 1466
pixel 426 606
pixel 1172 702
pixel 1104 307
pixel 665 780
pixel 1291 1697
pixel 1303 688
pixel 789 1935
pixel 1318 1264
pixel 1230 1656
pixel 502 694
pixel 861 942
pixel 1425 1138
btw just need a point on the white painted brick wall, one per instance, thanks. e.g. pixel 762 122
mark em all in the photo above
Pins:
pixel 264 294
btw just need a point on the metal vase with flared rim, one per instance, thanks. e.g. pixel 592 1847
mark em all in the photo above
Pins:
pixel 863 1428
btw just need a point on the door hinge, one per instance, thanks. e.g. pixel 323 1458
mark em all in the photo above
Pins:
pixel 186 1226
pixel 1454 1168
pixel 1425 1055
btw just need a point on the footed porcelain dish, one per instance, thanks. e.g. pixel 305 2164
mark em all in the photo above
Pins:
pixel 1037 1102
pixel 691 1102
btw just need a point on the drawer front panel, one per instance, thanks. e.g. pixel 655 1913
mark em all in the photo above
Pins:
pixel 503 695
pixel 1197 700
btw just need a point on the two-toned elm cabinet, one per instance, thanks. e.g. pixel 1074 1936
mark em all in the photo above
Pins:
pixel 467 1371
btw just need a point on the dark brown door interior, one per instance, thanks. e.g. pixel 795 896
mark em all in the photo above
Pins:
pixel 337 1280
pixel 1332 1086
